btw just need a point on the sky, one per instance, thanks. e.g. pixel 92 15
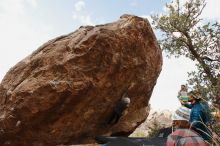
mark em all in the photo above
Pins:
pixel 27 24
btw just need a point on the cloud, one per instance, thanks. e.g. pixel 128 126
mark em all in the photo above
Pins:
pixel 148 18
pixel 11 7
pixel 19 35
pixel 177 34
pixel 79 5
pixel 15 7
pixel 83 19
pixel 212 11
pixel 33 3
pixel 174 73
pixel 81 15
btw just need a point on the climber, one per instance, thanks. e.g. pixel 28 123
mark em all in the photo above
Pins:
pixel 119 109
pixel 200 115
pixel 182 135
pixel 182 94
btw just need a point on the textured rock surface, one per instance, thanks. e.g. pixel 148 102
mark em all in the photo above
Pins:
pixel 64 91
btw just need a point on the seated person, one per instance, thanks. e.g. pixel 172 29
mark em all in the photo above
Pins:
pixel 182 135
pixel 183 94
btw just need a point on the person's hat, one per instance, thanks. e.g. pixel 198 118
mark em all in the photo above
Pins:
pixel 182 113
pixel 195 94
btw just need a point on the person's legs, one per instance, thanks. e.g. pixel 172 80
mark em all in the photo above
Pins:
pixel 117 117
pixel 112 118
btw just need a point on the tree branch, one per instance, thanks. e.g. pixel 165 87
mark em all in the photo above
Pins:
pixel 206 68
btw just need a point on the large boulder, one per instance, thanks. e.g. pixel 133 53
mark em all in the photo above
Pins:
pixel 65 91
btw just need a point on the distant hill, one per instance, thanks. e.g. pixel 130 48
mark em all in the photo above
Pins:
pixel 162 117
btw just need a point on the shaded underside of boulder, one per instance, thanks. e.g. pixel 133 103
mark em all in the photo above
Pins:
pixel 65 91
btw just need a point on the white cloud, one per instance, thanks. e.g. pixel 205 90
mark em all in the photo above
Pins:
pixel 15 7
pixel 11 7
pixel 80 14
pixel 33 3
pixel 173 74
pixel 83 19
pixel 177 34
pixel 79 5
pixel 212 11
pixel 19 36
pixel 148 18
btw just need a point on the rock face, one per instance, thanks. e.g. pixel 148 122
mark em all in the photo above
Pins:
pixel 65 91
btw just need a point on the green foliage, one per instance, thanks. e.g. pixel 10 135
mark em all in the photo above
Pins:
pixel 154 128
pixel 184 33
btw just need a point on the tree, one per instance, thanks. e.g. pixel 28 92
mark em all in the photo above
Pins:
pixel 154 129
pixel 184 33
